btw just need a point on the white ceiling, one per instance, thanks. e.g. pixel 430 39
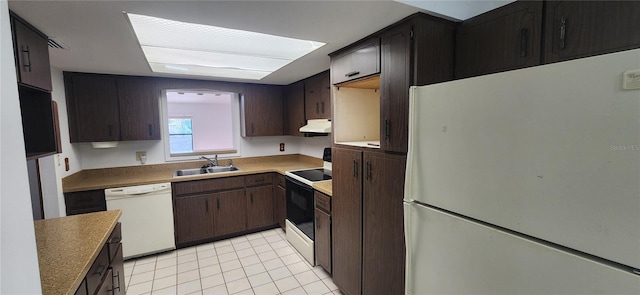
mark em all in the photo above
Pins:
pixel 101 40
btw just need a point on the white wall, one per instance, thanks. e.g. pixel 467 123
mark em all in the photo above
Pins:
pixel 205 122
pixel 19 273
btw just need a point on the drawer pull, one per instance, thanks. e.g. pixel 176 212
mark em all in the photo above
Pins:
pixel 351 74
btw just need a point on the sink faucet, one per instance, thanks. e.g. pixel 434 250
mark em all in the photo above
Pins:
pixel 213 162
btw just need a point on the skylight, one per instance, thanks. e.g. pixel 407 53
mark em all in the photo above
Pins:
pixel 193 49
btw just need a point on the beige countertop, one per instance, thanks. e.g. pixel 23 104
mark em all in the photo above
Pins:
pixel 67 247
pixel 147 174
pixel 325 187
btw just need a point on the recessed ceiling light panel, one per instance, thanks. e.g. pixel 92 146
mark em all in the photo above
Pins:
pixel 194 49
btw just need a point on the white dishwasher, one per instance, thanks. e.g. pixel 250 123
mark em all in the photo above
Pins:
pixel 147 218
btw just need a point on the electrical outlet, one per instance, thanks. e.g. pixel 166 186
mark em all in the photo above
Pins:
pixel 282 147
pixel 140 154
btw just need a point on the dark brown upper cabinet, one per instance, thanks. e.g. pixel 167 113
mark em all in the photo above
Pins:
pixel 38 112
pixel 416 51
pixel 575 29
pixel 357 61
pixel 261 107
pixel 294 109
pixel 111 108
pixel 31 53
pixel 317 97
pixel 503 39
pixel 136 97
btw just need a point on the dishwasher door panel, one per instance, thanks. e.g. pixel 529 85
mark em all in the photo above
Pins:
pixel 147 222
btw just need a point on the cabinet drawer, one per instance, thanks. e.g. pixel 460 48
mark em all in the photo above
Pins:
pixel 360 61
pixel 98 270
pixel 208 185
pixel 280 180
pixel 113 242
pixel 106 286
pixel 259 179
pixel 85 202
pixel 323 202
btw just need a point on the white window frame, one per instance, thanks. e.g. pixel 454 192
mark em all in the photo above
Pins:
pixel 235 122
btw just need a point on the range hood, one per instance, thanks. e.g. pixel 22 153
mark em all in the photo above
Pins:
pixel 317 126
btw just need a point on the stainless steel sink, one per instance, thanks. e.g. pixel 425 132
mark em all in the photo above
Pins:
pixel 204 170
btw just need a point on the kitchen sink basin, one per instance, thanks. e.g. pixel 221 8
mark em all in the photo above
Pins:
pixel 204 170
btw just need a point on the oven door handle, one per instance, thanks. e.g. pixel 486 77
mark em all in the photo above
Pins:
pixel 300 184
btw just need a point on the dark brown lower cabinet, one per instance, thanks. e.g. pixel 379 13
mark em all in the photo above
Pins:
pixel 82 290
pixel 107 285
pixel 193 218
pixel 347 220
pixel 117 270
pixel 106 274
pixel 383 247
pixel 260 206
pixel 279 201
pixel 322 239
pixel 367 221
pixel 230 215
pixel 85 202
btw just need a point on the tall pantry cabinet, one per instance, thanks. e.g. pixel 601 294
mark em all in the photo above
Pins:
pixel 368 182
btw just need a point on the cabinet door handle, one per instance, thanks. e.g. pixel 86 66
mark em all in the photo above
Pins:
pixel 218 201
pixel 563 31
pixel 27 65
pixel 317 108
pixel 117 279
pixel 351 74
pixel 322 107
pixel 150 130
pixel 524 37
pixel 317 223
pixel 355 168
pixel 207 205
pixel 387 129
pixel 368 170
pixel 110 130
pixel 253 130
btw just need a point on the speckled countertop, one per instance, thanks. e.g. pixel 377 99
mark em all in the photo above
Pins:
pixel 67 247
pixel 147 174
pixel 325 187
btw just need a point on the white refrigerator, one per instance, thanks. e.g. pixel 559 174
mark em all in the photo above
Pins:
pixel 527 181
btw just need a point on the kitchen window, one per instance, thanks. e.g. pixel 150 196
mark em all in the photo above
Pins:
pixel 180 135
pixel 200 122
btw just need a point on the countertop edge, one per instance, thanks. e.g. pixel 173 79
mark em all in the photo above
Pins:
pixel 77 281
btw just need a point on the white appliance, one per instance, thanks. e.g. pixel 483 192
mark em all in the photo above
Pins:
pixel 147 218
pixel 526 182
pixel 300 204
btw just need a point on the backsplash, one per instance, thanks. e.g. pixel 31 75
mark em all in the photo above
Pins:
pixel 125 153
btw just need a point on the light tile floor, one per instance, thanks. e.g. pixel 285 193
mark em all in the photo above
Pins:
pixel 258 263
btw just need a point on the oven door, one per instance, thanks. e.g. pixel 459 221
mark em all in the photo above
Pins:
pixel 300 206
